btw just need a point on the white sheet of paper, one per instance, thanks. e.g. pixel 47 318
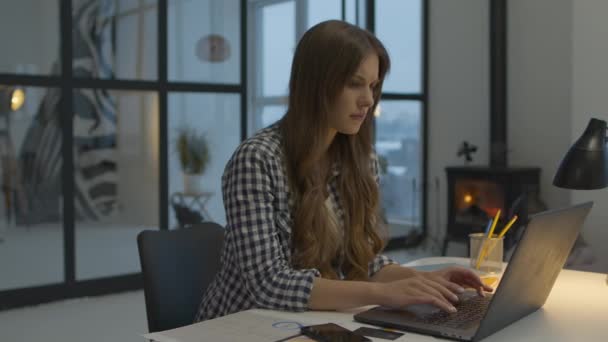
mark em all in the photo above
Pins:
pixel 242 326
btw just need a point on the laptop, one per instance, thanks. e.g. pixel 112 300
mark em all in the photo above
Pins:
pixel 525 285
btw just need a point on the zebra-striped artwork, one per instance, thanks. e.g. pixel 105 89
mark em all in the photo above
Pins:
pixel 95 120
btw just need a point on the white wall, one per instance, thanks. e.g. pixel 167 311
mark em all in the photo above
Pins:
pixel 458 94
pixel 136 43
pixel 539 89
pixel 557 80
pixel 590 99
pixel 30 35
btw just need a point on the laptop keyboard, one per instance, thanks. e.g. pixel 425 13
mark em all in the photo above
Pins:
pixel 470 311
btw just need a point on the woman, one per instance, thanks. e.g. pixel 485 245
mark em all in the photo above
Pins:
pixel 302 198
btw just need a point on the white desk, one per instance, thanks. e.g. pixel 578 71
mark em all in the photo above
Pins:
pixel 576 310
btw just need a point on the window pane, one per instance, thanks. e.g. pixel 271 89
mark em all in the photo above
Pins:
pixel 30 36
pixel 350 11
pixel 400 151
pixel 321 10
pixel 278 44
pixel 204 41
pixel 116 178
pixel 217 118
pixel 31 217
pixel 361 17
pixel 399 26
pixel 270 114
pixel 127 5
pixel 115 40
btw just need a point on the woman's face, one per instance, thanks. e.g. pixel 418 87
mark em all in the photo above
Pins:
pixel 351 106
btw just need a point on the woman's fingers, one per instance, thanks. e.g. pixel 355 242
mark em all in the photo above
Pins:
pixel 416 291
pixel 487 287
pixel 422 297
pixel 440 287
pixel 468 278
pixel 438 292
pixel 471 284
pixel 475 282
pixel 452 286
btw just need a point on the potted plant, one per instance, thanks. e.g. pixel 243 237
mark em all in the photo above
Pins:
pixel 193 152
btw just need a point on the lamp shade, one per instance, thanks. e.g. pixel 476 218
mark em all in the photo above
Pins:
pixel 585 165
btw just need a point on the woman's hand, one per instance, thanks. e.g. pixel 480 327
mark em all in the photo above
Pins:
pixel 456 278
pixel 418 289
pixel 439 288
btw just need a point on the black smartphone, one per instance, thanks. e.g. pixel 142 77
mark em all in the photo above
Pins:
pixel 331 332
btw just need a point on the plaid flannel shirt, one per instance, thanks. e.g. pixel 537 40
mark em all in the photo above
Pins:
pixel 256 270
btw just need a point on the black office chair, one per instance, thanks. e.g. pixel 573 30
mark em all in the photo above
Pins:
pixel 177 267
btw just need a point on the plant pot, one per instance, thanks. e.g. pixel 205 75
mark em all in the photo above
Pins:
pixel 193 183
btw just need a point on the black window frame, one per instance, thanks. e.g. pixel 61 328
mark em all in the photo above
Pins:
pixel 416 238
pixel 70 287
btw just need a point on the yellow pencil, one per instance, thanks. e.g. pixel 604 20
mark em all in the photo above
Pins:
pixel 483 245
pixel 506 228
pixel 502 233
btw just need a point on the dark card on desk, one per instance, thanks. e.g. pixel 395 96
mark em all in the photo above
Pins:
pixel 379 333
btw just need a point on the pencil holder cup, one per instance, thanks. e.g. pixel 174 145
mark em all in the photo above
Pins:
pixel 486 254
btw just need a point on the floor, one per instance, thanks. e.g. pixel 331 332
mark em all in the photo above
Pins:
pixel 120 317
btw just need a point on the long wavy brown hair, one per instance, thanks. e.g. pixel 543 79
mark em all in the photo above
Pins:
pixel 326 57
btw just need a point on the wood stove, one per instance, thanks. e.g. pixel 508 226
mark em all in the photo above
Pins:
pixel 476 193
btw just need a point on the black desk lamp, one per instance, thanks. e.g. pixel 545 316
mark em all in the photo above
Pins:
pixel 585 166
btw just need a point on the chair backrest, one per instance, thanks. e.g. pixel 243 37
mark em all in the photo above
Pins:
pixel 177 267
